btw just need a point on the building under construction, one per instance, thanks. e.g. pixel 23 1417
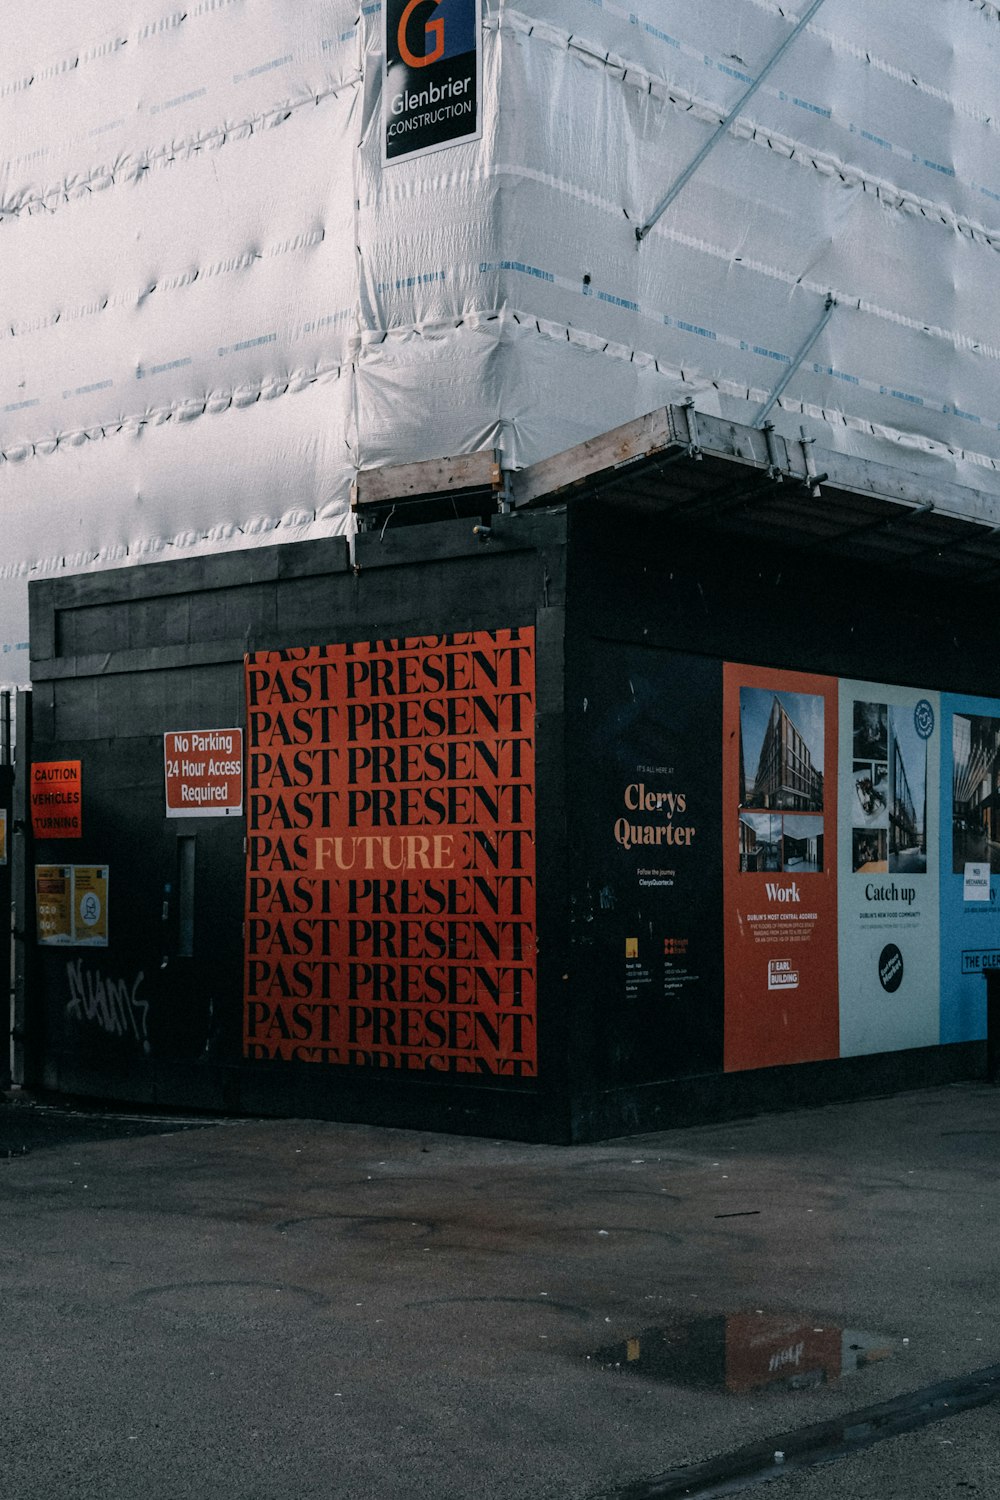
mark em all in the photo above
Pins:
pixel 410 505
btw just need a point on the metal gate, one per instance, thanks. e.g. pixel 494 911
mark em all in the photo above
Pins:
pixel 15 721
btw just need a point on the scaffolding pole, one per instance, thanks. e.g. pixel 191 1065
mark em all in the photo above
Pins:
pixel 682 181
pixel 782 385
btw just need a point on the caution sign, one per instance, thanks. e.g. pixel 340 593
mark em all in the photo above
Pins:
pixel 203 772
pixel 431 84
pixel 53 904
pixel 71 905
pixel 56 800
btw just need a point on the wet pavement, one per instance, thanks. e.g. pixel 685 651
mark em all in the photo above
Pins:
pixel 29 1125
pixel 262 1309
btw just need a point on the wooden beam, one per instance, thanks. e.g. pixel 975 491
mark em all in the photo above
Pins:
pixel 624 446
pixel 434 476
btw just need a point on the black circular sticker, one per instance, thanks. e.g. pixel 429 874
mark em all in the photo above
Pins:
pixel 890 968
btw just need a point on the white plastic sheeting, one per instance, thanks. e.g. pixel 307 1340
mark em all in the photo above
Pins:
pixel 217 304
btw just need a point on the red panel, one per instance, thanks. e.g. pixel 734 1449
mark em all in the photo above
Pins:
pixel 779 867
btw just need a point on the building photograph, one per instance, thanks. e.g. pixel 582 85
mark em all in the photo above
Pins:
pixel 751 850
pixel 869 808
pixel 871 731
pixel 782 736
pixel 870 850
pixel 802 844
pixel 907 794
pixel 976 792
pixel 761 846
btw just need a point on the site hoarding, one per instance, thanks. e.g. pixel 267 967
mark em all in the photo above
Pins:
pixel 857 912
pixel 771 867
pixel 390 898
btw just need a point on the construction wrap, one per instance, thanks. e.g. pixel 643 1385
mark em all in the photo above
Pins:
pixel 219 303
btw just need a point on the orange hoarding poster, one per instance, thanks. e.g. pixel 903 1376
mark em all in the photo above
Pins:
pixel 56 799
pixel 390 908
pixel 779 867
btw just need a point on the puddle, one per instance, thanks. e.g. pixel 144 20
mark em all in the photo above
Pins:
pixel 741 1352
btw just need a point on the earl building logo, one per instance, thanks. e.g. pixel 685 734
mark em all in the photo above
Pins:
pixel 431 83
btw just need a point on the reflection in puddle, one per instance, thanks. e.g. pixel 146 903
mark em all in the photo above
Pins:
pixel 739 1352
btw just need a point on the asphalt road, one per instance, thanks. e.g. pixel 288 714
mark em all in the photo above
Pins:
pixel 299 1309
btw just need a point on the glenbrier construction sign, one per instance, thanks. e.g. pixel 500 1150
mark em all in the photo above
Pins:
pixel 431 83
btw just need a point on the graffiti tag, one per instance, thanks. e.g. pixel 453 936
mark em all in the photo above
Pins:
pixel 111 1004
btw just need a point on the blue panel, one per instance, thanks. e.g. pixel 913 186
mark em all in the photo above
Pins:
pixel 970 834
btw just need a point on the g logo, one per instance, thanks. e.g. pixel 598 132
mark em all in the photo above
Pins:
pixel 433 29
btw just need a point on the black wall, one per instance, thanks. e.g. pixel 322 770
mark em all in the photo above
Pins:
pixel 652 612
pixel 120 658
pixel 633 619
pixel 6 804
